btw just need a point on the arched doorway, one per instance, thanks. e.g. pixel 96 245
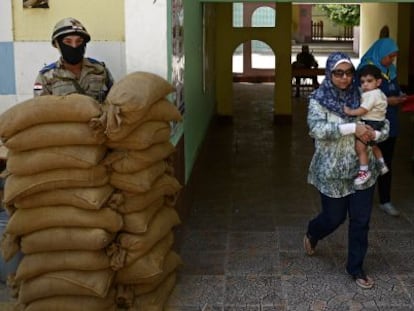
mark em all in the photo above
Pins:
pixel 253 65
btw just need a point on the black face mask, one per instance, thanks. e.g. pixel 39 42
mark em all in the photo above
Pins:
pixel 70 54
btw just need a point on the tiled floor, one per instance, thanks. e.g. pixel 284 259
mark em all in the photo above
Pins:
pixel 242 242
pixel 250 203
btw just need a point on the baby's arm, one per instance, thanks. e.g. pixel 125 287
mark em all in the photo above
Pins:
pixel 355 112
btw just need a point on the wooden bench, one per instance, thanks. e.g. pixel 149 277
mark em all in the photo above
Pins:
pixel 301 75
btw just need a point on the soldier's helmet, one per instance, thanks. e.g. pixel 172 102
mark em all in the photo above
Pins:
pixel 69 26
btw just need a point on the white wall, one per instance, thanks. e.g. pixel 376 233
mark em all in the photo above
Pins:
pixel 146 36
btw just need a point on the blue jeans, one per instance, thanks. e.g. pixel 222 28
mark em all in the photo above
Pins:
pixel 334 211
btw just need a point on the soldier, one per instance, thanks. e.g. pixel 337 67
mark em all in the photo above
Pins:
pixel 73 73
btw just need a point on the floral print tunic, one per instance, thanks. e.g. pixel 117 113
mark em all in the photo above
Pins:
pixel 335 164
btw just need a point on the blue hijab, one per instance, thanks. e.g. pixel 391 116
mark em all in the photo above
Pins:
pixel 378 50
pixel 331 97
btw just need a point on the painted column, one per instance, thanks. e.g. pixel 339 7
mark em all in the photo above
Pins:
pixel 373 17
pixel 305 20
pixel 146 44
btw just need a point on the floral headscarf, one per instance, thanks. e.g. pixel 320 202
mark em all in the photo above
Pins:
pixel 378 50
pixel 331 97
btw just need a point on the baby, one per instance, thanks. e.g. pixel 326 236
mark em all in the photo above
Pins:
pixel 372 111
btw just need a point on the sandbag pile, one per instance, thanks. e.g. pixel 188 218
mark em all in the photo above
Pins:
pixel 138 131
pixel 56 194
pixel 91 196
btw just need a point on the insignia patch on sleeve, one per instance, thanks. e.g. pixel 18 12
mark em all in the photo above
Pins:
pixel 37 89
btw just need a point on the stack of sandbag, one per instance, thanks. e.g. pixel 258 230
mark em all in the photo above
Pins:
pixel 138 131
pixel 57 192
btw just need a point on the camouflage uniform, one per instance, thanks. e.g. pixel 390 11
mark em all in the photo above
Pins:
pixel 95 80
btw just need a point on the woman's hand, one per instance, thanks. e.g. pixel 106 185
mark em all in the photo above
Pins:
pixel 364 132
pixel 396 100
pixel 347 110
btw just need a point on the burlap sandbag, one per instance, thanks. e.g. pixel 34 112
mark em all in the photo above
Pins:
pixel 155 300
pixel 126 202
pixel 130 98
pixel 163 110
pixel 39 263
pixel 71 303
pixel 146 266
pixel 9 246
pixel 55 134
pixel 88 198
pixel 126 293
pixel 129 161
pixel 138 222
pixel 68 282
pixel 25 221
pixel 47 109
pixel 145 135
pixel 64 238
pixel 49 158
pixel 137 245
pixel 140 181
pixel 20 186
pixel 171 263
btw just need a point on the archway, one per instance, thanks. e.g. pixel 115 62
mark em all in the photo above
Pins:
pixel 253 65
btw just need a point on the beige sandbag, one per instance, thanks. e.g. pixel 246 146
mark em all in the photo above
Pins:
pixel 9 246
pixel 126 293
pixel 69 282
pixel 146 266
pixel 25 221
pixel 55 134
pixel 18 186
pixel 64 238
pixel 171 263
pixel 145 135
pixel 164 186
pixel 130 98
pixel 162 110
pixel 39 263
pixel 129 161
pixel 71 303
pixel 139 181
pixel 88 198
pixel 138 222
pixel 155 300
pixel 139 244
pixel 47 109
pixel 49 158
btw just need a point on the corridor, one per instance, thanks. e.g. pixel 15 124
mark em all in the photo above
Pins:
pixel 250 204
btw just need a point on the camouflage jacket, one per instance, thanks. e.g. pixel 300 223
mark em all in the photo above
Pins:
pixel 95 80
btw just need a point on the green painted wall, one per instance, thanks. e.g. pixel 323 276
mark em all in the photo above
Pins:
pixel 199 83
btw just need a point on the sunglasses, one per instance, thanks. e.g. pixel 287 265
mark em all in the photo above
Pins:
pixel 338 73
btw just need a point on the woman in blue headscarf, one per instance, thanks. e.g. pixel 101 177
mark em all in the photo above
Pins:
pixel 335 164
pixel 382 54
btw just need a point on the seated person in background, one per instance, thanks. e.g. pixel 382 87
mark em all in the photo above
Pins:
pixel 305 59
